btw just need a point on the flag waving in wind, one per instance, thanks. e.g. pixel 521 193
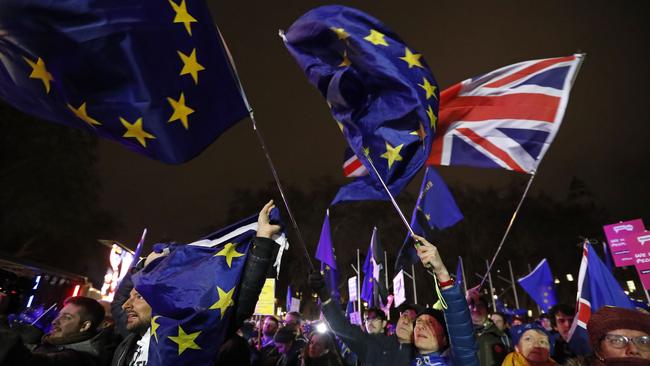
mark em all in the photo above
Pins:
pixel 373 290
pixel 325 254
pixel 597 287
pixel 540 286
pixel 193 295
pixel 152 75
pixel 380 91
pixel 506 118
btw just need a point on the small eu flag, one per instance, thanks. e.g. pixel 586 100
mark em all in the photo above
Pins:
pixel 193 295
pixel 540 286
pixel 373 290
pixel 325 254
pixel 380 91
pixel 152 75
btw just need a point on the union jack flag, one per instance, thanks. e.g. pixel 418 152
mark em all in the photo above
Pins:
pixel 506 118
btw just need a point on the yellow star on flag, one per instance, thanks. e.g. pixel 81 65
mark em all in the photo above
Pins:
pixel 154 327
pixel 376 38
pixel 366 151
pixel 392 154
pixel 185 340
pixel 413 59
pixel 225 301
pixel 39 71
pixel 229 251
pixel 432 118
pixel 340 33
pixel 135 130
pixel 428 216
pixel 182 16
pixel 346 61
pixel 83 115
pixel 191 65
pixel 420 132
pixel 181 111
pixel 428 88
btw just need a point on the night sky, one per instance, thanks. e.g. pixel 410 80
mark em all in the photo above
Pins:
pixel 603 139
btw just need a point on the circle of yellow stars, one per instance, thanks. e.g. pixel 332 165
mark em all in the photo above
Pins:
pixel 136 130
pixel 412 60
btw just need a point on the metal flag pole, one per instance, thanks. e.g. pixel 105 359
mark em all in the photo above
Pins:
pixel 415 289
pixel 386 278
pixel 514 284
pixel 359 281
pixel 505 235
pixel 494 304
pixel 42 315
pixel 266 152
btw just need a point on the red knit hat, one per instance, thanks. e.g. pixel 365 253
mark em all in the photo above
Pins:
pixel 611 318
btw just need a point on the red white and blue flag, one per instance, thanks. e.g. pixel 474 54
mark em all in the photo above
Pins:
pixel 506 118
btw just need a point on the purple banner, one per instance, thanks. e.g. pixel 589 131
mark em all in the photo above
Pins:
pixel 639 246
pixel 616 238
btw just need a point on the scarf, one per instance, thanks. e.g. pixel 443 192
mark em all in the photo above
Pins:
pixel 517 359
pixel 430 359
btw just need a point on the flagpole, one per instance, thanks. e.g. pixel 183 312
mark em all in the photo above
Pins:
pixel 386 278
pixel 415 290
pixel 359 281
pixel 505 235
pixel 514 285
pixel 489 274
pixel 266 152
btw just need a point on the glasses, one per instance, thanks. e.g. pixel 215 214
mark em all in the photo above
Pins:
pixel 620 341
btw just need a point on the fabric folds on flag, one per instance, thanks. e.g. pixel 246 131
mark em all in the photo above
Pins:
pixel 434 209
pixel 597 287
pixel 506 118
pixel 373 289
pixel 325 254
pixel 380 91
pixel 540 286
pixel 193 295
pixel 101 66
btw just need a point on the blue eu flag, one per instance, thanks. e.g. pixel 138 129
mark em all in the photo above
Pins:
pixel 373 289
pixel 152 75
pixel 434 209
pixel 380 91
pixel 193 294
pixel 325 254
pixel 540 286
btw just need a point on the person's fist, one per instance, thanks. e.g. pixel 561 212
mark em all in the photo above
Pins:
pixel 317 284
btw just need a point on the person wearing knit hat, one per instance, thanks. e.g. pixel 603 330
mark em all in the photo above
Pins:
pixel 532 347
pixel 619 336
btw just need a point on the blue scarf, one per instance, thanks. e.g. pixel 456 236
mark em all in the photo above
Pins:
pixel 431 359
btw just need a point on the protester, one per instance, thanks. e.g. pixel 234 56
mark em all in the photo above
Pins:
pixel 73 340
pixel 619 337
pixel 136 312
pixel 287 347
pixel 321 351
pixel 561 319
pixel 270 326
pixel 499 320
pixel 532 347
pixel 371 349
pixel 457 346
pixel 492 342
pixel 375 321
pixel 294 320
pixel 545 321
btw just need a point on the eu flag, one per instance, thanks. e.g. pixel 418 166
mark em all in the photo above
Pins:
pixel 193 292
pixel 373 289
pixel 152 75
pixel 540 286
pixel 325 254
pixel 434 209
pixel 380 91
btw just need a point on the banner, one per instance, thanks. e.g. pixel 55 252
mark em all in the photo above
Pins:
pixel 399 292
pixel 616 237
pixel 637 245
pixel 266 301
pixel 295 305
pixel 352 288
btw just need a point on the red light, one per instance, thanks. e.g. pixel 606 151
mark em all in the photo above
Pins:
pixel 76 291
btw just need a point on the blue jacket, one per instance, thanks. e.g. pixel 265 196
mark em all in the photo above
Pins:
pixel 463 347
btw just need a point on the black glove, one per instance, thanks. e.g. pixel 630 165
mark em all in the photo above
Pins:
pixel 317 284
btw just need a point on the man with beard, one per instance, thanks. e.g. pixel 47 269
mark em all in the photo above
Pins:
pixel 371 349
pixel 73 340
pixel 492 342
pixel 133 351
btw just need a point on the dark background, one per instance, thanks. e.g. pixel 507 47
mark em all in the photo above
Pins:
pixel 62 189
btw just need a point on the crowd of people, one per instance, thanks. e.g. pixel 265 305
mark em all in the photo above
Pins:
pixel 459 331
